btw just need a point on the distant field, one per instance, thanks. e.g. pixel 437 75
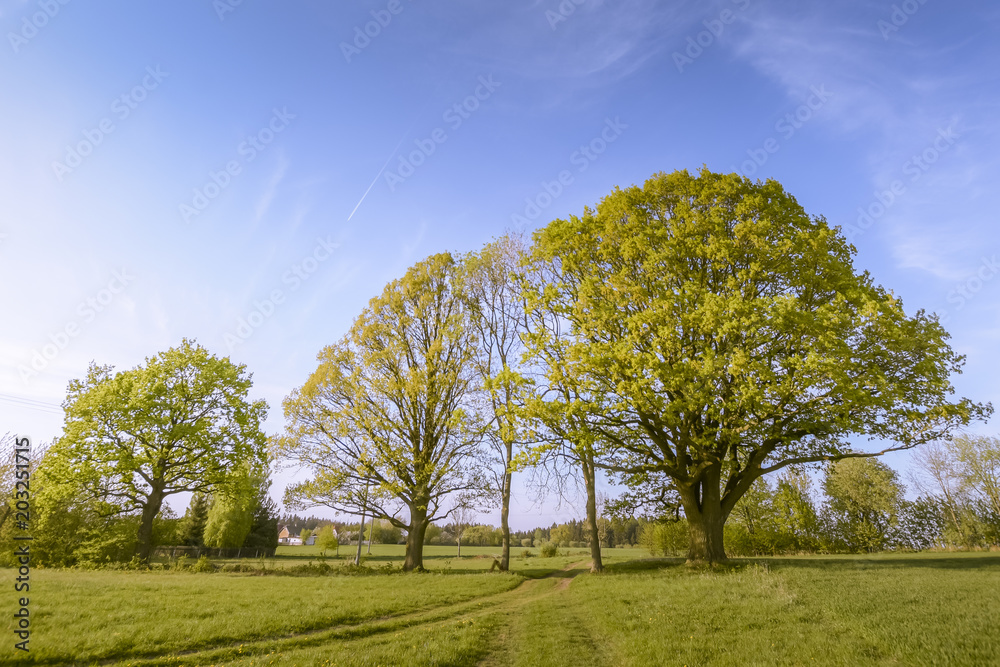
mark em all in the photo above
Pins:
pixel 923 609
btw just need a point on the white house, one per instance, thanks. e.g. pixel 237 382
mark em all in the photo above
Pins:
pixel 286 537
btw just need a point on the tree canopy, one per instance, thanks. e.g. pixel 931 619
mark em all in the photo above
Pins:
pixel 864 501
pixel 183 422
pixel 719 333
pixel 388 407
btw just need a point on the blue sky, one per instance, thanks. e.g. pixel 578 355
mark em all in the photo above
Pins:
pixel 168 170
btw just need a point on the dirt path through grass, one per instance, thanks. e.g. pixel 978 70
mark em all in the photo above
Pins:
pixel 544 629
pixel 506 614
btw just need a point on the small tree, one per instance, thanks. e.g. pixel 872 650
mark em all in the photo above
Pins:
pixel 326 539
pixel 794 511
pixel 561 535
pixel 979 462
pixel 264 521
pixel 462 516
pixel 305 535
pixel 603 522
pixel 7 470
pixel 921 524
pixel 192 531
pixel 433 534
pixel 963 475
pixel 231 516
pixel 751 530
pixel 864 497
pixel 380 531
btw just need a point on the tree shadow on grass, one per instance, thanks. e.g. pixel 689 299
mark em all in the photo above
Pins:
pixel 643 565
pixel 333 559
pixel 949 561
pixel 946 561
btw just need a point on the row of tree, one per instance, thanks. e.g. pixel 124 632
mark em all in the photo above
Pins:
pixel 862 509
pixel 686 337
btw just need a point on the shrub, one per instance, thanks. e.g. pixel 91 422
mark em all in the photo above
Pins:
pixel 527 553
pixel 668 539
pixel 527 542
pixel 242 567
pixel 310 569
pixel 108 564
pixel 549 549
pixel 183 562
pixel 203 564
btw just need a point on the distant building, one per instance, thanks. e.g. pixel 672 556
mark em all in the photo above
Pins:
pixel 285 536
pixel 312 538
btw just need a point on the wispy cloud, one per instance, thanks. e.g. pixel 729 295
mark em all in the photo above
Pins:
pixel 893 98
pixel 271 188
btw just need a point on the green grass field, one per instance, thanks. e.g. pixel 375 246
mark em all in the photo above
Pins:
pixel 919 609
pixel 474 560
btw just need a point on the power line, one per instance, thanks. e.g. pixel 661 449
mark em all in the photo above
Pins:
pixel 29 400
pixel 31 403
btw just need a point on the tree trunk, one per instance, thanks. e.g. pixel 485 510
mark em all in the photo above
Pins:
pixel 505 513
pixel 703 508
pixel 590 481
pixel 149 512
pixel 361 527
pixel 361 539
pixel 459 544
pixel 415 541
pixel 371 536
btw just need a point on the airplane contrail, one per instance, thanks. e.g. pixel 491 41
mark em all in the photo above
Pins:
pixel 379 174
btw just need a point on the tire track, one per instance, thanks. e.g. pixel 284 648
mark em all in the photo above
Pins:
pixel 527 591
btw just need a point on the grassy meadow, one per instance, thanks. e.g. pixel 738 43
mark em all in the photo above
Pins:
pixel 891 609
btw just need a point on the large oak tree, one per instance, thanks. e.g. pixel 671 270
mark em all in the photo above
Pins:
pixel 719 333
pixel 389 408
pixel 182 423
